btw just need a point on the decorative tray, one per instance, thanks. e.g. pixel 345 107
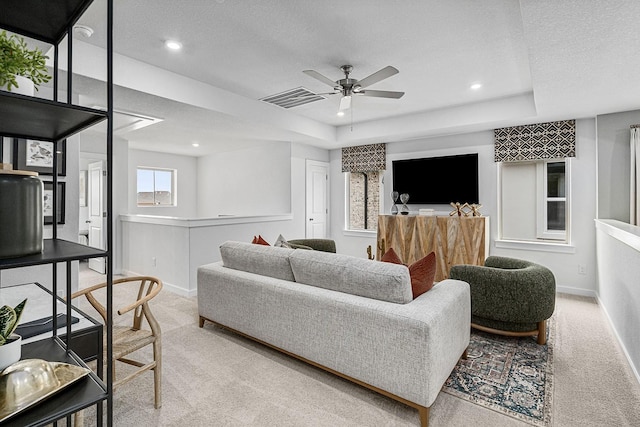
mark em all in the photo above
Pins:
pixel 30 381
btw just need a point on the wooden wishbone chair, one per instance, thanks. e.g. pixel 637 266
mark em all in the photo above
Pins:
pixel 127 339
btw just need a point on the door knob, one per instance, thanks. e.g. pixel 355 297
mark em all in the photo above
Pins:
pixel 310 219
pixel 88 221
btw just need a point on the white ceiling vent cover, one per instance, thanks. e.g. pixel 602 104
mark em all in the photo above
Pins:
pixel 293 98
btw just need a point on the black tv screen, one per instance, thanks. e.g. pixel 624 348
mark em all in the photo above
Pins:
pixel 438 180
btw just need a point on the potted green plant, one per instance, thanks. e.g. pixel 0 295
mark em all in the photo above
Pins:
pixel 17 60
pixel 10 343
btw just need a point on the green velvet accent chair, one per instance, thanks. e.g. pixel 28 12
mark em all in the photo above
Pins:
pixel 324 245
pixel 509 296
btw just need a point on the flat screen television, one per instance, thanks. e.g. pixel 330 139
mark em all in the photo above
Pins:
pixel 438 180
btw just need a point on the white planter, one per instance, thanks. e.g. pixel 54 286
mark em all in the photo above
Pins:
pixel 11 352
pixel 25 86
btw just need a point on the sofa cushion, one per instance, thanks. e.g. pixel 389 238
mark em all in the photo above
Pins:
pixel 258 259
pixel 356 276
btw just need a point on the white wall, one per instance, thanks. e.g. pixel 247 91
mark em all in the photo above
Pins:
pixel 255 181
pixel 563 265
pixel 619 268
pixel 613 164
pixel 187 193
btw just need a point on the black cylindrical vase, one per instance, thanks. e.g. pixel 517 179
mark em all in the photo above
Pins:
pixel 21 217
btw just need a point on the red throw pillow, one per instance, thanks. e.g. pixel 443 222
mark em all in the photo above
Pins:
pixel 391 256
pixel 261 241
pixel 422 272
pixel 255 240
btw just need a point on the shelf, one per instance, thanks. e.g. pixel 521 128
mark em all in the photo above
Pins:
pixel 41 19
pixel 55 250
pixel 86 392
pixel 36 118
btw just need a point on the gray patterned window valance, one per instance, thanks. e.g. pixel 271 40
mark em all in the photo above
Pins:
pixel 364 158
pixel 552 140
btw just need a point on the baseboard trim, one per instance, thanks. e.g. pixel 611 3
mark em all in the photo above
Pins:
pixel 169 286
pixel 576 291
pixel 615 332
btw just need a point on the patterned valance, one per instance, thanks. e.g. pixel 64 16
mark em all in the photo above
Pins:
pixel 552 140
pixel 364 158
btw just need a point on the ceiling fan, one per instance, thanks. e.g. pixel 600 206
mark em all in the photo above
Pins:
pixel 349 87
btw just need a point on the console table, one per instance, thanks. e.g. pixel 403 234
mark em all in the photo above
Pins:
pixel 455 240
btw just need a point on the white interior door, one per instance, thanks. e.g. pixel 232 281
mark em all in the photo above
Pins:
pixel 97 218
pixel 317 199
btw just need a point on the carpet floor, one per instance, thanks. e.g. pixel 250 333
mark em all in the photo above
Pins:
pixel 212 377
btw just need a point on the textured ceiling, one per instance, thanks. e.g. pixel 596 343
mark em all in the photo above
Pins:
pixel 575 58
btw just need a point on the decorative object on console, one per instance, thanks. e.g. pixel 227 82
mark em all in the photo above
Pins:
pixel 422 272
pixel 404 198
pixel 16 59
pixel 394 197
pixel 457 209
pixel 509 296
pixel 21 228
pixel 10 343
pixel 426 212
pixel 475 209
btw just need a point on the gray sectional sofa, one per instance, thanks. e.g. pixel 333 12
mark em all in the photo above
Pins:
pixel 351 316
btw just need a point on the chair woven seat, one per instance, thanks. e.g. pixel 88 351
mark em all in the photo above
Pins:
pixel 127 340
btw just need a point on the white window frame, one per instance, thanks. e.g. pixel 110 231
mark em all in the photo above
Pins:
pixel 174 178
pixel 543 232
pixel 347 205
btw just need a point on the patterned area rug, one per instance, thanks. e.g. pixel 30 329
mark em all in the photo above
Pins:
pixel 513 376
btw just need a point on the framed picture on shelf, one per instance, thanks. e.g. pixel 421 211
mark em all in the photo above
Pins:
pixel 47 202
pixel 82 187
pixel 37 156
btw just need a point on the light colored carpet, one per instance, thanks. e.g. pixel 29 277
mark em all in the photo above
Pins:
pixel 215 378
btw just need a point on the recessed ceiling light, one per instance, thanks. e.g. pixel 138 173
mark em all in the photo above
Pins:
pixel 83 30
pixel 195 144
pixel 340 113
pixel 476 86
pixel 173 45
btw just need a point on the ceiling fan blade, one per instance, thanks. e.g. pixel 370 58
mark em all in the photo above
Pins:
pixel 386 72
pixel 381 93
pixel 345 103
pixel 316 75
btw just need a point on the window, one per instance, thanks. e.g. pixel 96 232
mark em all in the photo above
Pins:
pixel 363 204
pixel 156 187
pixel 534 200
pixel 552 200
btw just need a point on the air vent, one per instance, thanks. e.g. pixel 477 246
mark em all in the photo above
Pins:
pixel 293 98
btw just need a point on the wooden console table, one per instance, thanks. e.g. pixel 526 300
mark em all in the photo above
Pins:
pixel 455 240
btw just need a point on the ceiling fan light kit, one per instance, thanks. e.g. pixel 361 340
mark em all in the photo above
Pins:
pixel 348 87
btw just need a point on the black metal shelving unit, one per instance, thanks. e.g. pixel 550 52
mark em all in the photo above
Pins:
pixel 50 120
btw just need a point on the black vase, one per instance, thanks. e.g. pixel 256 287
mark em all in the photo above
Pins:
pixel 21 218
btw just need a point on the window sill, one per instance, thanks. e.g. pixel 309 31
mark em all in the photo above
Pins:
pixel 564 248
pixel 360 233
